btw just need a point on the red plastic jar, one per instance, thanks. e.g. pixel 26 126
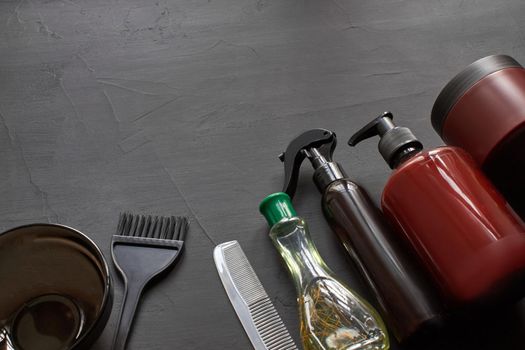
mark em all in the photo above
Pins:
pixel 482 110
pixel 459 225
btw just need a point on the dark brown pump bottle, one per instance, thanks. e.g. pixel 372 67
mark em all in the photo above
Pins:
pixel 404 296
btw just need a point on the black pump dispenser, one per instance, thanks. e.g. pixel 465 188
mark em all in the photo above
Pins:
pixel 403 295
pixel 396 142
pixel 318 146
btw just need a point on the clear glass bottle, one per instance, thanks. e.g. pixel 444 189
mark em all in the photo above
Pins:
pixel 332 316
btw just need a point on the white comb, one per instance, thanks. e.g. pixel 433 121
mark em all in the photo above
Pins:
pixel 254 308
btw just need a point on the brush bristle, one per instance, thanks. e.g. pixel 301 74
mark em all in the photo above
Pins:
pixel 148 226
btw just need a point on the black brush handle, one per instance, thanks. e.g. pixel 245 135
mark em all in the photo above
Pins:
pixel 129 305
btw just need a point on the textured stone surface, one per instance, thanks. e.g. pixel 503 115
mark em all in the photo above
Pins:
pixel 182 106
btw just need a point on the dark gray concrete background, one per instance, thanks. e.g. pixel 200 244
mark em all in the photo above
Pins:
pixel 182 106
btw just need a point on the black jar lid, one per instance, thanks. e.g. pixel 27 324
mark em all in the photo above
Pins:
pixel 462 82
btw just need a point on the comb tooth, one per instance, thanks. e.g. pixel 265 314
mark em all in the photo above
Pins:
pixel 151 230
pixel 170 227
pixel 156 230
pixel 169 232
pixel 125 224
pixel 128 225
pixel 133 227
pixel 175 228
pixel 164 228
pixel 161 227
pixel 176 224
pixel 160 223
pixel 182 223
pixel 147 226
pixel 140 226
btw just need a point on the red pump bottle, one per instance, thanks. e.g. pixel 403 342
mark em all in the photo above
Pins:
pixel 459 225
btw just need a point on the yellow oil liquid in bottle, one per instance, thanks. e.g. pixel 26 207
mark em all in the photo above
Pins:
pixel 332 320
pixel 332 316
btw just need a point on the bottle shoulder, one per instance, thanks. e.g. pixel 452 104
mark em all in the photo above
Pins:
pixel 341 185
pixel 432 153
pixel 445 156
pixel 432 163
pixel 288 225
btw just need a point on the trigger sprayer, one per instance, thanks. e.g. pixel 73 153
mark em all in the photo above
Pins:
pixel 404 296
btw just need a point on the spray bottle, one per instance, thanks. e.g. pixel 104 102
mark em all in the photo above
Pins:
pixel 405 298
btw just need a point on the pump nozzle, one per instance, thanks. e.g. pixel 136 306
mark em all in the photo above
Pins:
pixel 377 127
pixel 396 142
pixel 318 146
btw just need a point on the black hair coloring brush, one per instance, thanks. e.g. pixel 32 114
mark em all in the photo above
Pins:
pixel 142 248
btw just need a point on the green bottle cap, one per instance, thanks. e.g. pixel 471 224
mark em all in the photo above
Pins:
pixel 276 207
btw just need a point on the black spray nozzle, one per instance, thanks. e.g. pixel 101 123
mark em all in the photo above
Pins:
pixel 316 144
pixel 396 142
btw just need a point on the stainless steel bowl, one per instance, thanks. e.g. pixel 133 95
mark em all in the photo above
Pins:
pixel 56 288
